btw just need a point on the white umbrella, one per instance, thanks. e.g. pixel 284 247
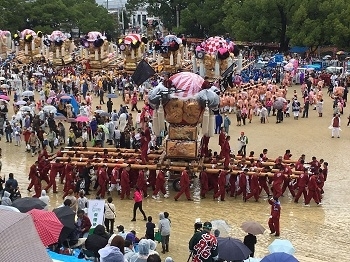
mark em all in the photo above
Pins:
pixel 49 108
pixel 19 103
pixel 38 74
pixel 9 208
pixel 2 78
pixel 3 100
pixel 28 93
pixel 5 86
pixel 99 111
pixel 25 108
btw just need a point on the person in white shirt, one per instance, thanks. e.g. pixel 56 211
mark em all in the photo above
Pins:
pixel 45 198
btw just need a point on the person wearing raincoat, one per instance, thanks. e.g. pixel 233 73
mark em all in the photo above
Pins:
pixel 144 248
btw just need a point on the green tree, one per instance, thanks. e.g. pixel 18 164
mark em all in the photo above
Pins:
pixel 13 15
pixel 260 20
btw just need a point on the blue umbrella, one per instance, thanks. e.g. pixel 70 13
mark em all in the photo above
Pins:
pixel 231 249
pixel 281 245
pixel 112 96
pixel 279 257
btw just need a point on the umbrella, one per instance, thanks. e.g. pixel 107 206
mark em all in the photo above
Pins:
pixel 21 241
pixel 188 83
pixel 2 100
pixel 104 128
pixel 281 245
pixel 25 108
pixel 59 117
pixel 169 38
pixel 4 97
pixel 28 93
pixel 92 36
pixel 67 217
pixel 326 57
pixel 253 227
pixel 5 86
pixel 105 114
pixel 28 203
pixel 99 111
pixel 252 259
pixel 2 78
pixel 65 97
pixel 57 35
pixel 9 208
pixel 27 32
pixel 82 119
pixel 38 74
pixel 47 225
pixel 232 249
pixel 19 103
pixel 279 102
pixel 279 257
pixel 49 108
pixel 71 120
pixel 130 38
pixel 213 44
pixel 340 53
pixel 112 96
pixel 66 79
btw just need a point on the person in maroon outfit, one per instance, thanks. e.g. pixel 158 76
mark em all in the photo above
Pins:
pixel 141 182
pixel 254 187
pixel 102 181
pixel 287 180
pixel 160 185
pixel 274 220
pixel 68 168
pixel 312 187
pixel 320 185
pixel 69 182
pixel 232 181
pixel 144 148
pixel 44 167
pixel 203 178
pixel 226 151
pixel 222 138
pixel 33 172
pixel 204 145
pixel 55 168
pixel 278 179
pixel 301 185
pixel 37 185
pixel 185 185
pixel 221 185
pixel 325 170
pixel 152 178
pixel 125 183
pixel 242 184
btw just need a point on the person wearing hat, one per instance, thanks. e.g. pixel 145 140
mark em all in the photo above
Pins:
pixel 204 237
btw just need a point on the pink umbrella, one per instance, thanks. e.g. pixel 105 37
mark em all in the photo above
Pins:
pixel 188 82
pixel 55 35
pixel 4 97
pixel 27 32
pixel 82 119
pixel 212 44
pixel 94 36
pixel 131 38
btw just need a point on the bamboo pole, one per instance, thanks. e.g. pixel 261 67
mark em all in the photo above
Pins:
pixel 110 154
pixel 101 149
pixel 177 169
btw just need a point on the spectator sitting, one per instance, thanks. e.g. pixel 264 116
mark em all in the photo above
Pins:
pixel 97 240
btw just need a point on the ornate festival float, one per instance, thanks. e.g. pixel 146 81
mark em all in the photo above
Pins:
pixel 170 53
pixel 5 43
pixel 185 106
pixel 214 55
pixel 28 45
pixel 132 48
pixel 95 50
pixel 61 46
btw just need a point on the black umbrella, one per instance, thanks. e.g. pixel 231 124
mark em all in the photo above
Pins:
pixel 231 249
pixel 67 217
pixel 28 203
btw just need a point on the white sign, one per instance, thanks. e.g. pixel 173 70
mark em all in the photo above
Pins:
pixel 96 212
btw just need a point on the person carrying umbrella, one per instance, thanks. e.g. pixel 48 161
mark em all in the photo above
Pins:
pixel 203 245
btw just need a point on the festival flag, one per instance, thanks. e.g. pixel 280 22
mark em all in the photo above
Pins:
pixel 142 73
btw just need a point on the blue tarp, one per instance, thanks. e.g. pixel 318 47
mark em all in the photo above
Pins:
pixel 298 49
pixel 75 105
pixel 64 258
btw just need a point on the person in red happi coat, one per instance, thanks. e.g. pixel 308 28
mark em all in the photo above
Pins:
pixel 102 181
pixel 274 220
pixel 185 185
pixel 125 183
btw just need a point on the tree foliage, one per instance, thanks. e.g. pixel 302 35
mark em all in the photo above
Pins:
pixel 47 15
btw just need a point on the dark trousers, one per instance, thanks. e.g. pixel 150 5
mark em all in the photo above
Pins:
pixel 109 224
pixel 138 205
pixel 279 115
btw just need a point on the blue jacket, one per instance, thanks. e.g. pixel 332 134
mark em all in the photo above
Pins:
pixel 218 120
pixel 93 125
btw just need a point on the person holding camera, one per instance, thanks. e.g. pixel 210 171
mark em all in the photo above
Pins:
pixel 203 245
